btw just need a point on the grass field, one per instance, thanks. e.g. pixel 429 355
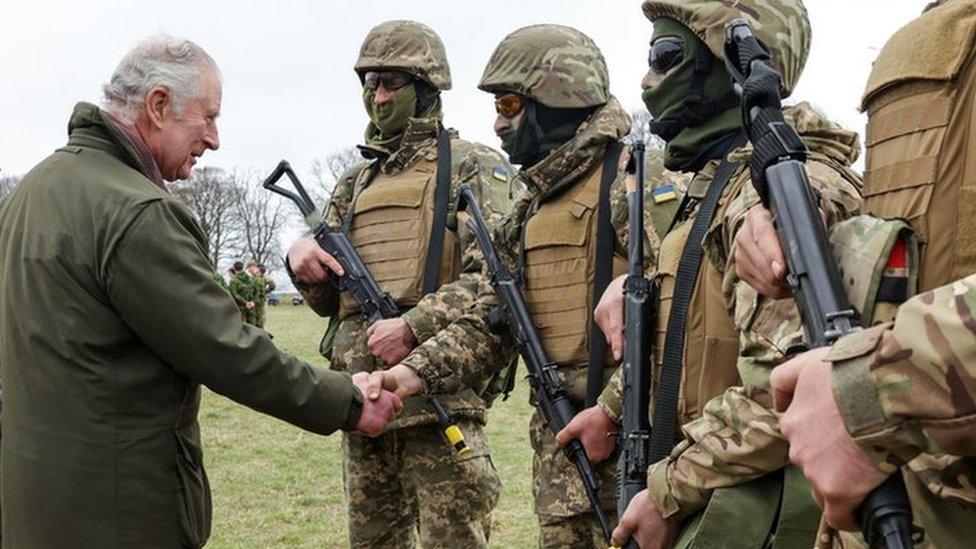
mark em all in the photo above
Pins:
pixel 275 485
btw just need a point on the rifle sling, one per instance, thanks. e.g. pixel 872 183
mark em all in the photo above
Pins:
pixel 442 194
pixel 605 236
pixel 669 385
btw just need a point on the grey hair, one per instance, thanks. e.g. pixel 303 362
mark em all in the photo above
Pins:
pixel 158 61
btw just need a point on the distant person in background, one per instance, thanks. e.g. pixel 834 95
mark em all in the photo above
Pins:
pixel 263 285
pixel 242 289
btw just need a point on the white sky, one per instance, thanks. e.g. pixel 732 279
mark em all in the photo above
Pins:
pixel 289 88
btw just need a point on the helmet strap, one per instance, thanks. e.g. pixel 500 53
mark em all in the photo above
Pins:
pixel 696 109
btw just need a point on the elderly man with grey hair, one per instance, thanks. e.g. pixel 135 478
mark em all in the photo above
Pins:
pixel 101 357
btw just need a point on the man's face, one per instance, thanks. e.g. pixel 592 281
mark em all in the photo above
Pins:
pixel 177 142
pixel 253 271
pixel 511 109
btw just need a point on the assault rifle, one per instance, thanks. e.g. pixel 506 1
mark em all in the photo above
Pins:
pixel 780 177
pixel 549 394
pixel 638 298
pixel 374 303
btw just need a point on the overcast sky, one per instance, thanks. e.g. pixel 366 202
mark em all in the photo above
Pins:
pixel 289 88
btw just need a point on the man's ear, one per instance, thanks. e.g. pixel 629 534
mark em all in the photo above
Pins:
pixel 158 106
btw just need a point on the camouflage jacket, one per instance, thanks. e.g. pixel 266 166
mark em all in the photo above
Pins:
pixel 467 347
pixel 490 177
pixel 241 288
pixel 737 439
pixel 907 390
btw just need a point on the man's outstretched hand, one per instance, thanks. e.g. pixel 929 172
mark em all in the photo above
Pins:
pixel 380 402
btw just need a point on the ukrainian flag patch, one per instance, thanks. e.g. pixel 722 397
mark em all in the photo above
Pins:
pixel 664 193
pixel 499 173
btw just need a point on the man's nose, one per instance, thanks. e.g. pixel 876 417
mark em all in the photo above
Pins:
pixel 382 94
pixel 212 138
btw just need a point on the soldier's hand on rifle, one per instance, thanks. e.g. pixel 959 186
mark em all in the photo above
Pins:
pixel 595 429
pixel 609 316
pixel 759 258
pixel 380 405
pixel 390 340
pixel 310 263
pixel 839 473
pixel 643 523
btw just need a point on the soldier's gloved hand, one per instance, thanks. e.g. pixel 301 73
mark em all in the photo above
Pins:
pixel 594 428
pixel 839 473
pixel 759 258
pixel 380 405
pixel 609 315
pixel 310 263
pixel 643 523
pixel 390 340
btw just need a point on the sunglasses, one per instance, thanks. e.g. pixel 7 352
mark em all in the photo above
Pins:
pixel 391 80
pixel 509 105
pixel 666 53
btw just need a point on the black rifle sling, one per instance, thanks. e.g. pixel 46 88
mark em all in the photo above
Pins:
pixel 666 396
pixel 605 237
pixel 442 194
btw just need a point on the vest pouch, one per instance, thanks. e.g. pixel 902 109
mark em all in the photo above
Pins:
pixel 921 161
pixel 390 231
pixel 195 506
pixel 557 282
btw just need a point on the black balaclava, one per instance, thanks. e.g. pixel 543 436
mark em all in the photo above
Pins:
pixel 541 130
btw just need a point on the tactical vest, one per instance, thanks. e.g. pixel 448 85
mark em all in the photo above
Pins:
pixel 921 138
pixel 390 228
pixel 711 347
pixel 559 267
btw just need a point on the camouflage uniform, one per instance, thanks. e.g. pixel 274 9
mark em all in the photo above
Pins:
pixel 263 286
pixel 575 77
pixel 409 478
pixel 736 438
pixel 242 290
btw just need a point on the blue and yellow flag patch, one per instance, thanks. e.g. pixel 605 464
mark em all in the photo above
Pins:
pixel 499 173
pixel 664 193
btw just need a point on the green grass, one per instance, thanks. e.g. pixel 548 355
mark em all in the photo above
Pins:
pixel 275 485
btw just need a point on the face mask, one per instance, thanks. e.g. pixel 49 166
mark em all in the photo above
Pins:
pixel 391 117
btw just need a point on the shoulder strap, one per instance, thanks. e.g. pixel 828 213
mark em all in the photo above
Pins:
pixel 604 272
pixel 442 195
pixel 351 211
pixel 666 396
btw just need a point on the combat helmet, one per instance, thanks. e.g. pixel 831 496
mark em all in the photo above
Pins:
pixel 555 65
pixel 406 46
pixel 782 25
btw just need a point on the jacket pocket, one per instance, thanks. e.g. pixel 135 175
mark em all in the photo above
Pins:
pixel 195 506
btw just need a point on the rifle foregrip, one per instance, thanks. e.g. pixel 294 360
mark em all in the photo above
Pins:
pixel 886 516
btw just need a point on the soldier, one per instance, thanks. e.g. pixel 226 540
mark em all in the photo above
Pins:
pixel 901 396
pixel 558 120
pixel 265 285
pixel 398 209
pixel 729 335
pixel 102 371
pixel 242 289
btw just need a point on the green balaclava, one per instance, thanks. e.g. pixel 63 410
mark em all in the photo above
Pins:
pixel 387 121
pixel 688 141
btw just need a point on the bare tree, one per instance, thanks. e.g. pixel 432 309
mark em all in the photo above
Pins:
pixel 262 216
pixel 327 171
pixel 640 130
pixel 7 184
pixel 212 195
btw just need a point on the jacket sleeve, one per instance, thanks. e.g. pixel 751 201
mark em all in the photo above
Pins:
pixel 737 439
pixel 910 387
pixel 159 280
pixel 490 178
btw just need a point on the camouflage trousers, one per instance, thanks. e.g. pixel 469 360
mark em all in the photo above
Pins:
pixel 409 482
pixel 259 315
pixel 566 518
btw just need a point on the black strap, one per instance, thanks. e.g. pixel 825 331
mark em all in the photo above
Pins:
pixel 604 273
pixel 669 386
pixel 442 195
pixel 347 221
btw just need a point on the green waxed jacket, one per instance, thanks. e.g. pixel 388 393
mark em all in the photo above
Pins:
pixel 110 320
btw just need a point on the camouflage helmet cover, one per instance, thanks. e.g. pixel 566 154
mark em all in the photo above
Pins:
pixel 557 66
pixel 406 46
pixel 782 25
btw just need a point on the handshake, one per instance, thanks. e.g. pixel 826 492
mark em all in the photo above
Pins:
pixel 383 393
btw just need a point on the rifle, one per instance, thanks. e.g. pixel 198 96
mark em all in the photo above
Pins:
pixel 357 280
pixel 549 395
pixel 638 298
pixel 780 178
